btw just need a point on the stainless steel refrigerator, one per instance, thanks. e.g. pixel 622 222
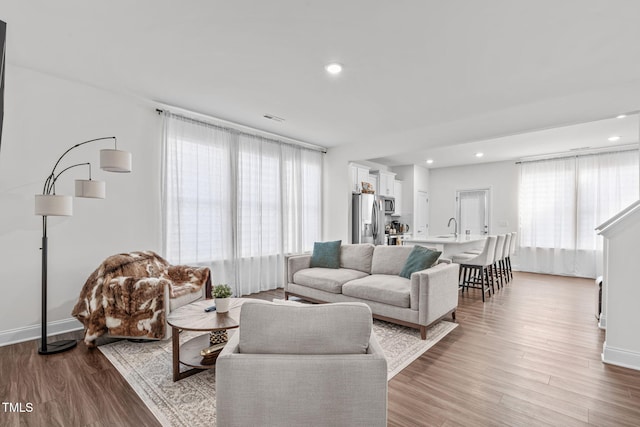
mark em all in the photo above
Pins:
pixel 367 219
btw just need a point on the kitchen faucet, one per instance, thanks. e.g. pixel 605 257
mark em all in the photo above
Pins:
pixel 455 230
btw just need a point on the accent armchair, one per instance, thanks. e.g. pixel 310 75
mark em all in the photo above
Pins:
pixel 311 365
pixel 130 295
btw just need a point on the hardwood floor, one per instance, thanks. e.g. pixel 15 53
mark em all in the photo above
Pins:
pixel 530 355
pixel 77 388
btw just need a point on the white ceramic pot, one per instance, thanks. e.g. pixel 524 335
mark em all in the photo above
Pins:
pixel 222 304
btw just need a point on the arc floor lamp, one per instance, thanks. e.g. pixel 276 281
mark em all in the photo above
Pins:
pixel 51 204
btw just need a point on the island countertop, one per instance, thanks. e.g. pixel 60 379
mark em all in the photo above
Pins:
pixel 449 239
pixel 449 244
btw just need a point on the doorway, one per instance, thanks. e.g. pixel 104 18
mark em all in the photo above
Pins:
pixel 472 211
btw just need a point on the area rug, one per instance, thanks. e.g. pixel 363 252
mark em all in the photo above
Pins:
pixel 191 401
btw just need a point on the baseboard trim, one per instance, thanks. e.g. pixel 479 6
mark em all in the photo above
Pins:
pixel 602 323
pixel 620 357
pixel 28 333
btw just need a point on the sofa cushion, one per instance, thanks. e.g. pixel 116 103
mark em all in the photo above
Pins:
pixel 326 279
pixel 267 328
pixel 326 254
pixel 389 259
pixel 384 288
pixel 419 259
pixel 356 257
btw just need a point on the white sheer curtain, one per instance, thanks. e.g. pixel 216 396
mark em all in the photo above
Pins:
pixel 237 202
pixel 563 200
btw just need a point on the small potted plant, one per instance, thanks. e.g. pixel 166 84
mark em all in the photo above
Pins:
pixel 222 295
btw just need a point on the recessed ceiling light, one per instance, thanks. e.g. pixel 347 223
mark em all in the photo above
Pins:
pixel 479 155
pixel 621 116
pixel 333 68
pixel 614 138
pixel 429 161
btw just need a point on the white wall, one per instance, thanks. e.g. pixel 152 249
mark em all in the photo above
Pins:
pixel 421 178
pixel 500 177
pixel 406 175
pixel 415 178
pixel 336 191
pixel 45 115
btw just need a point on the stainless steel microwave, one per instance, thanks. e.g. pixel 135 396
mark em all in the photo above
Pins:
pixel 389 204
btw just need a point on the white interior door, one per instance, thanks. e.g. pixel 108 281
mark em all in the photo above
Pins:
pixel 421 222
pixel 473 211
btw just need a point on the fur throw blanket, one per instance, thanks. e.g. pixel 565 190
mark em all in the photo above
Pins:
pixel 125 295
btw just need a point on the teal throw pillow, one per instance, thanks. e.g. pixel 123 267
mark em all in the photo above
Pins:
pixel 326 254
pixel 419 259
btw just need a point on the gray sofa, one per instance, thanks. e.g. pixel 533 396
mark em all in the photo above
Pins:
pixel 302 365
pixel 370 274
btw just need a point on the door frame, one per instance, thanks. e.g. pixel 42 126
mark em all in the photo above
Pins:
pixel 487 191
pixel 418 194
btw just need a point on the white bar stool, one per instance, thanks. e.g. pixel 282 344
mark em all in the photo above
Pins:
pixel 495 269
pixel 504 271
pixel 474 269
pixel 512 249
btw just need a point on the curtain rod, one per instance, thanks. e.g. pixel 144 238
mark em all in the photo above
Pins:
pixel 235 127
pixel 621 149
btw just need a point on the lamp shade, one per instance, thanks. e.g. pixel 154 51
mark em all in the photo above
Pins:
pixel 54 205
pixel 115 160
pixel 91 189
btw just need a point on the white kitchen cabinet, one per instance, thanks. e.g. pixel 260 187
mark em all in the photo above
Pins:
pixel 362 176
pixel 359 174
pixel 397 193
pixel 374 180
pixel 385 183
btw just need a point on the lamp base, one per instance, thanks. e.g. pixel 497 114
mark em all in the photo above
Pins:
pixel 58 346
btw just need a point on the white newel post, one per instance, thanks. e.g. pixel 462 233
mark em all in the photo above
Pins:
pixel 621 288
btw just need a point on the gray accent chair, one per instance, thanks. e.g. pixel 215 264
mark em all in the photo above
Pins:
pixel 299 364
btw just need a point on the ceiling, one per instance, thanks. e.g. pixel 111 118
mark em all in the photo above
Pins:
pixel 572 139
pixel 419 77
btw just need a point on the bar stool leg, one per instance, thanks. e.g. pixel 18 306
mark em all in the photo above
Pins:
pixel 493 280
pixel 482 274
pixel 494 277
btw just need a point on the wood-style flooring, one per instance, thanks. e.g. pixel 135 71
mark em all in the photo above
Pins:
pixel 529 356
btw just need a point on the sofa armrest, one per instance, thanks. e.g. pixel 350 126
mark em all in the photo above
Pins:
pixel 296 263
pixel 204 293
pixel 434 291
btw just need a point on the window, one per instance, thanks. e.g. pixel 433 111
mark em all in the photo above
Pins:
pixel 236 202
pixel 561 203
pixel 547 204
pixel 197 226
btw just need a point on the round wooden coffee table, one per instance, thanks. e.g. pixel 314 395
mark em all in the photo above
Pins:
pixel 192 317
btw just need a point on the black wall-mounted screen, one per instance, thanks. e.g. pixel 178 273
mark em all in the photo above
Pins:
pixel 3 49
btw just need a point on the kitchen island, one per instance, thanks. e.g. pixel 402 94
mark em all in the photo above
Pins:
pixel 449 244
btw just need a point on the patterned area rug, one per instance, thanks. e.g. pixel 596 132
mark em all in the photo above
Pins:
pixel 191 401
